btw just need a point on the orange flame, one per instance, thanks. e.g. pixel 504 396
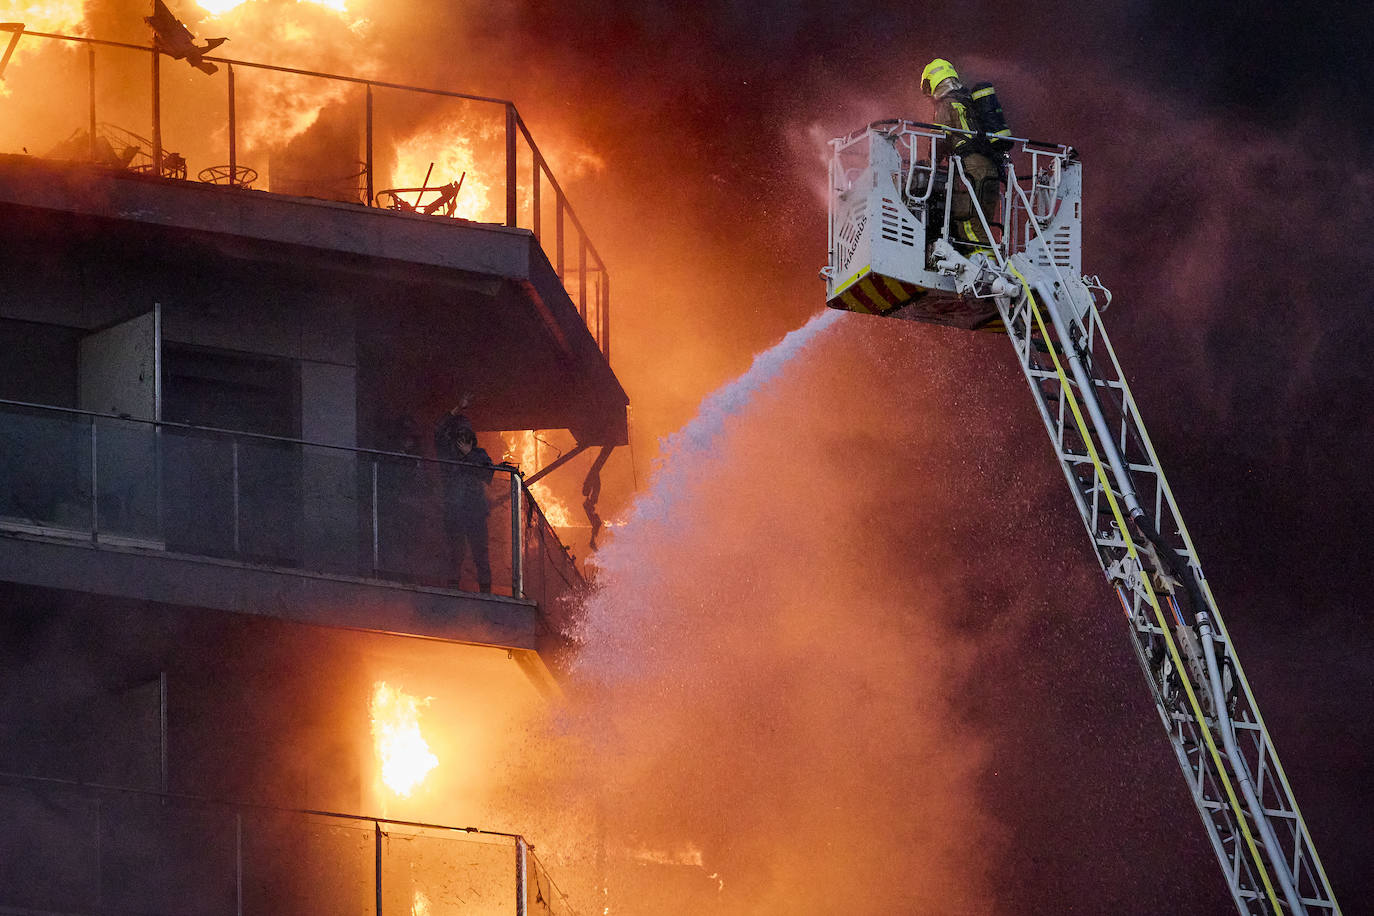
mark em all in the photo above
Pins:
pixel 522 449
pixel 64 16
pixel 220 7
pixel 404 755
pixel 275 110
pixel 449 147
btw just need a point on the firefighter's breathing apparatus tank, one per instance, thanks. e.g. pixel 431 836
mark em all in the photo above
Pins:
pixel 987 110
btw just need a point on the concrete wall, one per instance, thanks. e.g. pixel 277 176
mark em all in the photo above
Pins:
pixel 207 301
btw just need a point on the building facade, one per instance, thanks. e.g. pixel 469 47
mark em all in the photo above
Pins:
pixel 224 536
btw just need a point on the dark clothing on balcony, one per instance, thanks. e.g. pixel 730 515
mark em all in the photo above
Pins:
pixel 446 435
pixel 465 513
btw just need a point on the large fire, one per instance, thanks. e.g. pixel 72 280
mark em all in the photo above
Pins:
pixel 442 154
pixel 522 450
pixel 402 752
pixel 64 16
pixel 49 16
pixel 220 7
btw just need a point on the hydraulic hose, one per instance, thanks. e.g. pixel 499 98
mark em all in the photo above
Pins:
pixel 1167 556
pixel 1089 398
pixel 1238 766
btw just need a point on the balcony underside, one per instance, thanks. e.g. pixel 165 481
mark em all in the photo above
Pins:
pixel 439 305
pixel 140 573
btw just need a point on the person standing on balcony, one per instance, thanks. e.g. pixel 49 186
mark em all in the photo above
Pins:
pixel 956 107
pixel 465 473
pixel 454 420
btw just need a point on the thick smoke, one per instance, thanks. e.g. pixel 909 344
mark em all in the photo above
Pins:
pixel 859 654
pixel 761 677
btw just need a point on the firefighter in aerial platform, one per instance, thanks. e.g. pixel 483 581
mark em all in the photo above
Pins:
pixel 979 113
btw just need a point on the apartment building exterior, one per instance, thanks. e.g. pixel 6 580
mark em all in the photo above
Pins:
pixel 222 528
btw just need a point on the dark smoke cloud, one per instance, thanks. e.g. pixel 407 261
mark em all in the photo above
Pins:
pixel 1230 241
pixel 896 481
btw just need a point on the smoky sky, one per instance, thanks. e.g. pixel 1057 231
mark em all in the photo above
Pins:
pixel 1227 205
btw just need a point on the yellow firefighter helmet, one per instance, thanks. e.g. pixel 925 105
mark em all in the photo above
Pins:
pixel 935 73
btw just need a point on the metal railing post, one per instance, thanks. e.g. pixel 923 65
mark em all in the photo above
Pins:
pixel 90 67
pixel 511 166
pixel 582 274
pixel 16 30
pixel 238 548
pixel 558 236
pixel 162 731
pixel 517 530
pixel 95 486
pixel 157 113
pixel 99 865
pixel 238 863
pixel 233 133
pixel 376 825
pixel 367 150
pixel 521 864
pixel 606 314
pixel 376 544
pixel 536 165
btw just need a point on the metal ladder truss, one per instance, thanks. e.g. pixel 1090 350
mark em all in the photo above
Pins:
pixel 1229 761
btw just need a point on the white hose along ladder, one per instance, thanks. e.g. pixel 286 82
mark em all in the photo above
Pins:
pixel 892 253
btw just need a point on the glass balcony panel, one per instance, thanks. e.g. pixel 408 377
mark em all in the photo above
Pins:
pixel 127 480
pixel 45 470
pixel 407 543
pixel 273 502
pixel 542 896
pixel 436 872
pixel 146 863
pixel 199 492
pixel 303 863
pixel 330 507
pixel 499 531
pixel 551 576
pixel 270 501
pixel 49 852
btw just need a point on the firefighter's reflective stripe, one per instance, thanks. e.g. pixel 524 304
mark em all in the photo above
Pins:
pixel 960 115
pixel 874 294
pixel 988 110
pixel 845 284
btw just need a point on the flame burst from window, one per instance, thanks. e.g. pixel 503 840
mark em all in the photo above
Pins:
pixel 404 755
pixel 450 148
pixel 522 449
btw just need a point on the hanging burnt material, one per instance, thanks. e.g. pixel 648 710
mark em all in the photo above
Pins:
pixel 172 38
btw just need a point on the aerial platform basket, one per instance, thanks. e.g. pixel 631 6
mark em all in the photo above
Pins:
pixel 889 205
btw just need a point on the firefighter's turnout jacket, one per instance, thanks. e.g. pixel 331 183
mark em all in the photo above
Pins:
pixel 953 108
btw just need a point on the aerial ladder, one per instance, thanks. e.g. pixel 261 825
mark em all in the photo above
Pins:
pixel 892 253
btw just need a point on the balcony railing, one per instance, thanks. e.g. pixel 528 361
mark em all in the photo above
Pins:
pixel 94 849
pixel 276 502
pixel 241 127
